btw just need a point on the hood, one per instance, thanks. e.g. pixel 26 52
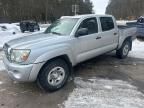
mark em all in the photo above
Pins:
pixel 36 41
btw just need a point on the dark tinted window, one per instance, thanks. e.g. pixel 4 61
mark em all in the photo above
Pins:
pixel 90 24
pixel 107 23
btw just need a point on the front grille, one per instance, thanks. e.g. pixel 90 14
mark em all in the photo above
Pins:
pixel 6 50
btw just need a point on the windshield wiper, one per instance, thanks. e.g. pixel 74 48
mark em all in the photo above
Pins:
pixel 56 33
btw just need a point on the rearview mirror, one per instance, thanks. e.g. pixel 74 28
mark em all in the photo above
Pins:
pixel 82 32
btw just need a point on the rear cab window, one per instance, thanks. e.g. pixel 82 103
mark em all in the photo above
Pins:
pixel 106 23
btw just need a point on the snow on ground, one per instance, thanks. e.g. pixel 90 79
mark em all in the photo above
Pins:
pixel 44 25
pixel 121 22
pixel 103 93
pixel 1 55
pixel 137 50
pixel 9 26
pixel 1 82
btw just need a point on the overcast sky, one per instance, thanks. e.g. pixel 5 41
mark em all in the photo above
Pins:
pixel 100 6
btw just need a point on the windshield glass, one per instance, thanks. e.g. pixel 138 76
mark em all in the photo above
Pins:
pixel 62 26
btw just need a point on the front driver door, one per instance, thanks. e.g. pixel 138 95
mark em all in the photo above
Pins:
pixel 86 45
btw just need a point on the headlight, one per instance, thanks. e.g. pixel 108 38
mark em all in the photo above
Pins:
pixel 18 55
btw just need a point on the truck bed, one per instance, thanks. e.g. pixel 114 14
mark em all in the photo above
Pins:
pixel 126 31
pixel 124 26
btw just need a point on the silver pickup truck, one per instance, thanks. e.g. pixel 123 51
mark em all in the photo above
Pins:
pixel 48 57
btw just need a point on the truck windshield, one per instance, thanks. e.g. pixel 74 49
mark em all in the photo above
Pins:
pixel 62 26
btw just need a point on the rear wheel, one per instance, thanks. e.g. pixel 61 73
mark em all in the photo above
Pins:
pixel 54 75
pixel 124 50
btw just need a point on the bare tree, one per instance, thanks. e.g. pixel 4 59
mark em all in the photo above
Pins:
pixel 41 10
pixel 126 9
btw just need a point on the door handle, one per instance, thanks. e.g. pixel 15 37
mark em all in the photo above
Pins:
pixel 98 37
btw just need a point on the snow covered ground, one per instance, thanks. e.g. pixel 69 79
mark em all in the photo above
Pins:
pixel 137 50
pixel 103 93
pixel 121 22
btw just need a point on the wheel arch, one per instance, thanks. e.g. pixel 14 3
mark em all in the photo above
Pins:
pixel 129 38
pixel 63 57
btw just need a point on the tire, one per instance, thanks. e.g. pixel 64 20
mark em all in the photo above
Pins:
pixel 53 75
pixel 124 50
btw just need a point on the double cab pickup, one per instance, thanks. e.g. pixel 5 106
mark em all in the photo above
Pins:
pixel 49 57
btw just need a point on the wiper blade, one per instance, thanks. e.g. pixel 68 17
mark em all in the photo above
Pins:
pixel 56 33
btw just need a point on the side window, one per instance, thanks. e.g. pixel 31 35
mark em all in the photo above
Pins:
pixel 106 23
pixel 90 24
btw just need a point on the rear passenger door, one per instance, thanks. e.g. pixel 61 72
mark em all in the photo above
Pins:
pixel 109 34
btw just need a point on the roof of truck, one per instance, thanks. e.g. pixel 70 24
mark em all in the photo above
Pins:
pixel 86 15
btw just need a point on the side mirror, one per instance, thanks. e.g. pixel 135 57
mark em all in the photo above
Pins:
pixel 82 32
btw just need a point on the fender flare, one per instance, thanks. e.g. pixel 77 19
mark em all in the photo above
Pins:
pixel 129 38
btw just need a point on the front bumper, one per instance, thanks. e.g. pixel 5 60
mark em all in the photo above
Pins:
pixel 22 73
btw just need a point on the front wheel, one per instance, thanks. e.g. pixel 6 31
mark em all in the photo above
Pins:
pixel 124 50
pixel 54 75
